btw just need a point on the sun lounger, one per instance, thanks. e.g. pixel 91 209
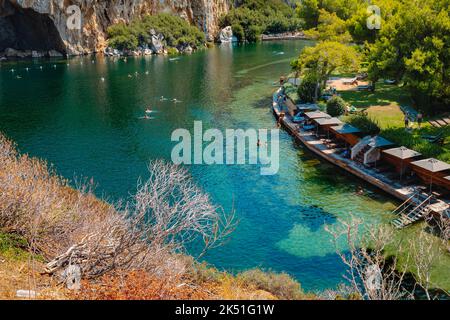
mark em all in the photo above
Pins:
pixel 298 119
pixel 442 123
pixel 309 127
pixel 364 87
pixel 434 124
pixel 439 138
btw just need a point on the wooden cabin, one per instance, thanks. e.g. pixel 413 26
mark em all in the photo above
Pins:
pixel 400 158
pixel 324 124
pixel 433 172
pixel 347 133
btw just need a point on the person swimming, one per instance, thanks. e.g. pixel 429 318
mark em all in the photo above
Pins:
pixel 148 110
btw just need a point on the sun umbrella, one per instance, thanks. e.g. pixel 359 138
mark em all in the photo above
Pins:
pixel 432 166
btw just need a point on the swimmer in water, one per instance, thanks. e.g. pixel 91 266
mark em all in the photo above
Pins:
pixel 149 110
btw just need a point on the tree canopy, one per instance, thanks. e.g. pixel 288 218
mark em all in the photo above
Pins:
pixel 251 18
pixel 325 58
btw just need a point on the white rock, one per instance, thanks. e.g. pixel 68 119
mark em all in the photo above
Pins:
pixel 27 294
pixel 226 35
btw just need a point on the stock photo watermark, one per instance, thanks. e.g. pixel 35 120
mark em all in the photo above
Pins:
pixel 232 147
pixel 73 12
pixel 374 20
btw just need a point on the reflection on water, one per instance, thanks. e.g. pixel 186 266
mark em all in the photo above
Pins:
pixel 89 126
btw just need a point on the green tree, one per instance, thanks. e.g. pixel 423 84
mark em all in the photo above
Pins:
pixel 121 37
pixel 308 11
pixel 309 89
pixel 336 106
pixel 325 58
pixel 414 46
pixel 330 27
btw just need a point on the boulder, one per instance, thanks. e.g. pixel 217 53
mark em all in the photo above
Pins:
pixel 157 42
pixel 185 48
pixel 55 54
pixel 37 54
pixel 13 53
pixel 226 35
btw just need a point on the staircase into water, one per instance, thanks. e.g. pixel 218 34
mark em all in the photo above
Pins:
pixel 412 210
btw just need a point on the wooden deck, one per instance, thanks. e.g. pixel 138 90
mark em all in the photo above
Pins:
pixel 319 147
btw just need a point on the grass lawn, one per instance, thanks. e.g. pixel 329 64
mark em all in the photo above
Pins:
pixel 383 106
pixel 384 95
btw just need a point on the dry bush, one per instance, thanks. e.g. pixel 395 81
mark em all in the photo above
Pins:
pixel 73 227
pixel 139 285
pixel 280 285
pixel 370 274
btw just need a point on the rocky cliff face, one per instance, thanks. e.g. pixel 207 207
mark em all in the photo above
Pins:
pixel 79 26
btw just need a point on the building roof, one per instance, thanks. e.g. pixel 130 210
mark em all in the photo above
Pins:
pixel 402 153
pixel 432 165
pixel 378 142
pixel 317 115
pixel 345 129
pixel 328 121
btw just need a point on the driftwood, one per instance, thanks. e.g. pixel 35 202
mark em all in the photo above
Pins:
pixel 168 212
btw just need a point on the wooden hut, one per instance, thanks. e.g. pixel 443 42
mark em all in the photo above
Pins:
pixel 347 133
pixel 316 115
pixel 324 124
pixel 400 158
pixel 433 172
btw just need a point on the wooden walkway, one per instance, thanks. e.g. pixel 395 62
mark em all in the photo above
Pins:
pixel 440 122
pixel 320 148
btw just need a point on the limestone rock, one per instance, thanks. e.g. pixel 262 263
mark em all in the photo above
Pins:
pixel 226 35
pixel 13 53
pixel 157 45
pixel 55 54
pixel 79 26
pixel 37 54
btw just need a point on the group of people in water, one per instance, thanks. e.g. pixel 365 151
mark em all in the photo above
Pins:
pixel 149 111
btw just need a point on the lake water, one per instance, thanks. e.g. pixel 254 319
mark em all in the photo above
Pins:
pixel 64 113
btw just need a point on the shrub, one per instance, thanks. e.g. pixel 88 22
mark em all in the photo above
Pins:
pixel 176 31
pixel 139 285
pixel 365 124
pixel 336 106
pixel 238 31
pixel 308 88
pixel 280 285
pixel 172 51
pixel 255 17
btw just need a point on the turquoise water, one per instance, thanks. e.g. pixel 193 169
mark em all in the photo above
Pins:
pixel 88 127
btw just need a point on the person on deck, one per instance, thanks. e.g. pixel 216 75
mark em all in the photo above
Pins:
pixel 419 119
pixel 406 121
